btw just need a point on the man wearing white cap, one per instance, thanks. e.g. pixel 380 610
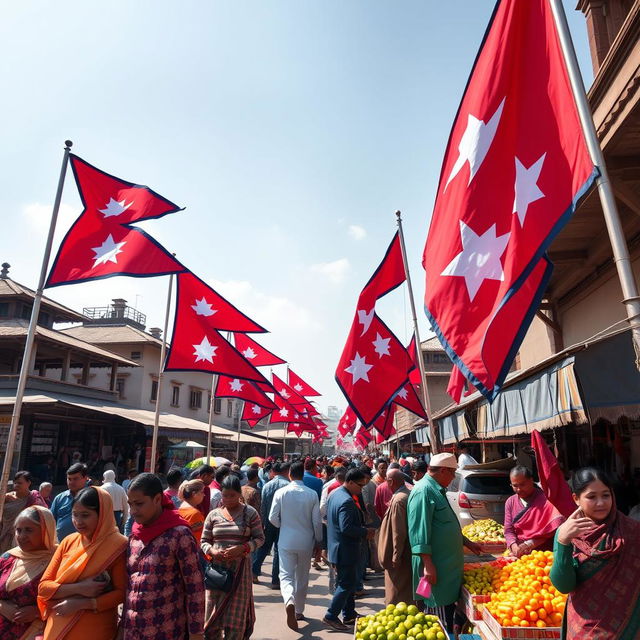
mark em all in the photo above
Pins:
pixel 436 538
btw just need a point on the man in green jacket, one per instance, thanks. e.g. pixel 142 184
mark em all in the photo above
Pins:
pixel 436 537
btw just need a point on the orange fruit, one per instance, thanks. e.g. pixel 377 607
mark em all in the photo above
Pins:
pixel 541 624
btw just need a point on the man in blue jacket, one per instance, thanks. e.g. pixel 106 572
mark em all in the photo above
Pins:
pixel 345 535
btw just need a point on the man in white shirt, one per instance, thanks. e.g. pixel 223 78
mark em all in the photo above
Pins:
pixel 295 510
pixel 118 497
pixel 464 458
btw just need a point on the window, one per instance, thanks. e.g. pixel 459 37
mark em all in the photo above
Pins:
pixel 4 309
pixel 43 319
pixel 136 355
pixel 209 401
pixel 217 405
pixel 229 408
pixel 195 399
pixel 175 396
pixel 120 387
pixel 441 358
pixel 154 391
pixel 25 312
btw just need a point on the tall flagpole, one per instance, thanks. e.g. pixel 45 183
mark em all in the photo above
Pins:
pixel 621 257
pixel 416 333
pixel 163 351
pixel 31 333
pixel 238 437
pixel 266 446
pixel 214 384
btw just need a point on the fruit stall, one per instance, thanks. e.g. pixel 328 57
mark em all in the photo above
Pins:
pixel 399 622
pixel 513 598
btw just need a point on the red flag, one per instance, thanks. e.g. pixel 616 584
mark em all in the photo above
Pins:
pixel 384 424
pixel 256 353
pixel 102 243
pixel 294 427
pixel 456 384
pixel 284 413
pixel 211 308
pixel 362 438
pixel 515 167
pixel 348 422
pixel 408 398
pixel 552 480
pixel 414 374
pixel 291 396
pixel 389 275
pixel 372 369
pixel 300 386
pixel 197 346
pixel 252 413
pixel 227 387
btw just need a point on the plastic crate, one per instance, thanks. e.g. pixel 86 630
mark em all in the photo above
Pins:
pixel 519 633
pixel 473 604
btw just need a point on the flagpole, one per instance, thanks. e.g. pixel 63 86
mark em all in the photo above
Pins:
pixel 621 257
pixel 238 437
pixel 163 350
pixel 266 446
pixel 416 333
pixel 214 383
pixel 31 333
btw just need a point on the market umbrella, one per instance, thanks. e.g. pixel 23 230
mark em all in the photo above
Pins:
pixel 198 462
pixel 220 461
pixel 254 459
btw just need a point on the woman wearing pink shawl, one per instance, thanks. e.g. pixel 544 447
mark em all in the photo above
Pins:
pixel 530 520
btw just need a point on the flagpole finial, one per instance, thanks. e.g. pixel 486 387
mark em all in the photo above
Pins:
pixel 68 144
pixel 399 216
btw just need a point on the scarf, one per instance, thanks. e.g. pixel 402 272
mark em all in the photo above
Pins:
pixel 168 519
pixel 31 564
pixel 79 560
pixel 603 540
pixel 539 519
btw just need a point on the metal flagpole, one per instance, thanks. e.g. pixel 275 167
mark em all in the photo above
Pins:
pixel 163 350
pixel 416 333
pixel 31 333
pixel 214 383
pixel 238 439
pixel 266 446
pixel 621 258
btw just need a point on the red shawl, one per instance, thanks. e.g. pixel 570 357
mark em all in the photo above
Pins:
pixel 168 519
pixel 539 519
pixel 606 602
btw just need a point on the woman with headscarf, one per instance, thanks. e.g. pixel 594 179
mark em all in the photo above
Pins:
pixel 15 501
pixel 165 592
pixel 20 571
pixel 85 582
pixel 596 559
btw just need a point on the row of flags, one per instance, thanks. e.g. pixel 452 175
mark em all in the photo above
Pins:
pixel 515 167
pixel 104 242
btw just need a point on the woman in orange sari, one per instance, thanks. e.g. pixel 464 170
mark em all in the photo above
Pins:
pixel 191 492
pixel 83 585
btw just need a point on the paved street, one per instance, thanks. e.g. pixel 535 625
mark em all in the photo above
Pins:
pixel 271 623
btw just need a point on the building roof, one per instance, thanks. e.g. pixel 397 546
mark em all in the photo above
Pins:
pixel 19 328
pixel 112 334
pixel 9 287
pixel 431 344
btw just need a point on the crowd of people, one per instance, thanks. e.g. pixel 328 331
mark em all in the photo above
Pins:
pixel 178 558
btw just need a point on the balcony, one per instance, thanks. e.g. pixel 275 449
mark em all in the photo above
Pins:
pixel 117 313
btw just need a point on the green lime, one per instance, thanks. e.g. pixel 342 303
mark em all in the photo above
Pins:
pixel 412 609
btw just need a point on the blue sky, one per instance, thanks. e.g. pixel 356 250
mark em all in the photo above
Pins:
pixel 290 130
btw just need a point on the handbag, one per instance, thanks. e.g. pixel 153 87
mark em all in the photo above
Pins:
pixel 218 577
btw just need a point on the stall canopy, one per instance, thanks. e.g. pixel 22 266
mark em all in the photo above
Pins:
pixel 453 428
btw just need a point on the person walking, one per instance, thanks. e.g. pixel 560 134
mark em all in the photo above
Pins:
pixel 436 538
pixel 595 560
pixel 191 494
pixel 250 493
pixel 63 503
pixel 165 591
pixel 118 497
pixel 311 478
pixel 394 550
pixel 231 533
pixel 295 511
pixel 175 478
pixel 84 584
pixel 345 535
pixel 279 480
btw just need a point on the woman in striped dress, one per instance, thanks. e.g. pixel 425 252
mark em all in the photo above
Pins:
pixel 231 533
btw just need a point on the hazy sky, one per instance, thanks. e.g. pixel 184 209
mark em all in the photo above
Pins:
pixel 290 130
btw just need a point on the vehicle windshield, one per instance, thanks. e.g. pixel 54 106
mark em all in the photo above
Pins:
pixel 487 485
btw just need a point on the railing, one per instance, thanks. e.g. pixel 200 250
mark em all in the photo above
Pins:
pixel 113 314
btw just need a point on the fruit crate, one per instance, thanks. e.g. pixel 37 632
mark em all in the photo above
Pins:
pixel 493 547
pixel 355 628
pixel 473 604
pixel 519 633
